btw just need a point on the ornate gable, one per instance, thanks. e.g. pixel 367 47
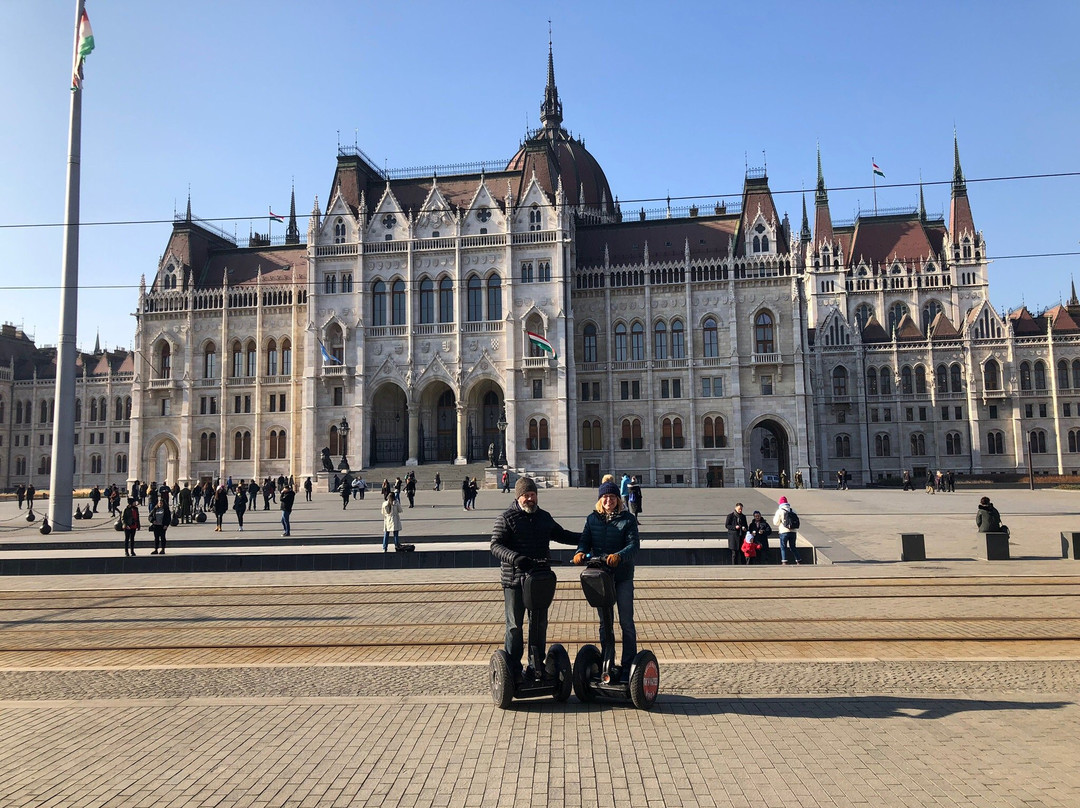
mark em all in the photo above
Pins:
pixel 388 222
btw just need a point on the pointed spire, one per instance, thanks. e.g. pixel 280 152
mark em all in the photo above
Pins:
pixel 1073 300
pixel 922 201
pixel 821 196
pixel 551 110
pixel 958 183
pixel 292 232
pixel 804 232
pixel 97 340
pixel 187 214
pixel 961 222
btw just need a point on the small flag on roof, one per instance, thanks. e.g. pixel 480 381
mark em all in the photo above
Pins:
pixel 542 344
pixel 878 171
pixel 275 217
pixel 82 49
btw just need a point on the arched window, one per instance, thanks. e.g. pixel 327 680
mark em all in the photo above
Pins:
pixel 1074 440
pixel 339 231
pixel 446 301
pixel 942 379
pixel 896 313
pixel 127 408
pixel 330 284
pixel 1037 441
pixel 953 445
pixel 44 464
pixel 631 434
pixel 886 376
pixel 427 301
pixel 78 410
pixel 494 298
pixel 346 282
pixel 620 342
pixel 906 385
pixel 589 343
pixel 678 340
pixel 1076 372
pixel 1063 374
pixel 335 342
pixel 992 375
pixel 474 302
pixel 863 313
pixel 713 432
pixel 637 342
pixel 121 463
pixel 334 441
pixel 165 361
pixel 286 358
pixel 763 333
pixel 252 368
pixel 536 220
pixel 871 382
pixel 93 410
pixel 538 434
pixel 956 377
pixel 208 448
pixel 918 445
pixel 20 466
pixel 45 413
pixel 882 445
pixel 271 358
pixel 237 360
pixel 18 412
pixel 378 303
pixel 1025 376
pixel 920 380
pixel 210 370
pixel 118 409
pixel 277 445
pixel 397 299
pixel 843 446
pixel 242 446
pixel 591 438
pixel 839 381
pixel 929 312
pixel 671 434
pixel 995 442
pixel 660 340
pixel 711 338
pixel 1040 375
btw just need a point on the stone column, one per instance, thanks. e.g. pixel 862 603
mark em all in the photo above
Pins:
pixel 460 460
pixel 414 435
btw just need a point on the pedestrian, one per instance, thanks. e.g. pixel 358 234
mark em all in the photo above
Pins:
pixel 346 490
pixel 307 490
pixel 611 534
pixel 95 497
pixel 474 489
pixel 950 482
pixel 841 480
pixel 930 482
pixel 391 513
pixel 759 531
pixel 229 485
pixel 522 535
pixel 253 494
pixel 361 486
pixel 159 524
pixel 410 488
pixel 783 478
pixel 20 492
pixel 987 518
pixel 940 479
pixel 30 492
pixel 239 505
pixel 506 481
pixel 183 500
pixel 129 520
pixel 397 488
pixel 787 522
pixel 798 480
pixel 221 505
pixel 635 497
pixel 114 501
pixel 438 482
pixel 906 479
pixel 624 489
pixel 736 528
pixel 385 488
pixel 287 498
pixel 466 496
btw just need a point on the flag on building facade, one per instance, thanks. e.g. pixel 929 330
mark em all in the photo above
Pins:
pixel 83 49
pixel 878 171
pixel 542 344
pixel 327 358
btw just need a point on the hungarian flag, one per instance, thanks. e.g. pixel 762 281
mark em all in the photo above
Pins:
pixel 327 357
pixel 878 171
pixel 275 217
pixel 542 344
pixel 82 49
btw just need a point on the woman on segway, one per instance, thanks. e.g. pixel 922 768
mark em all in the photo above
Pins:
pixel 611 533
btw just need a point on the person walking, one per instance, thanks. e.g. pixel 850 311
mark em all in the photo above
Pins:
pixel 635 497
pixel 160 517
pixel 474 489
pixel 736 528
pixel 288 496
pixel 307 490
pixel 20 492
pixel 385 488
pixel 611 533
pixel 787 522
pixel 759 531
pixel 221 505
pixel 346 491
pixel 410 488
pixel 239 505
pixel 624 489
pixel 506 481
pixel 30 493
pixel 95 497
pixel 129 520
pixel 522 535
pixel 361 486
pixel 438 482
pixel 391 513
pixel 987 518
pixel 466 494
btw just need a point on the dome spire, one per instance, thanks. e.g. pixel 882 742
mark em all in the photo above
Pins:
pixel 551 110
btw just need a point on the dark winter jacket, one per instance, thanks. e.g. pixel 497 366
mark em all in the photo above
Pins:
pixel 736 528
pixel 517 533
pixel 987 519
pixel 760 530
pixel 287 498
pixel 602 537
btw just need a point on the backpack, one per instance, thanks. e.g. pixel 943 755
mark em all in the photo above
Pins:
pixel 129 517
pixel 790 519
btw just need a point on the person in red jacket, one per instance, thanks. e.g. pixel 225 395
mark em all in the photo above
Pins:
pixel 129 520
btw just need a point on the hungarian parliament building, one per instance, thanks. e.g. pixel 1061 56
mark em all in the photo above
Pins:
pixel 435 316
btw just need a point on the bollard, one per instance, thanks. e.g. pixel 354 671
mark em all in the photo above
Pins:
pixel 997 546
pixel 1070 545
pixel 912 547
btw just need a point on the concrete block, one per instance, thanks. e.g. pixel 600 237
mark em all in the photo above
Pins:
pixel 912 547
pixel 1070 545
pixel 997 546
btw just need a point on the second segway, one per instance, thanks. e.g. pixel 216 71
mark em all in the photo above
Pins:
pixel 547 675
pixel 595 673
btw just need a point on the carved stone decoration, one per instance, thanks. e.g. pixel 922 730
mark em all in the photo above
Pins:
pixel 494 343
pixel 425 346
pixel 399 349
pixel 377 349
pixel 446 346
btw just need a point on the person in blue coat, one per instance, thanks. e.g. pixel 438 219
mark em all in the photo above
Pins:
pixel 611 533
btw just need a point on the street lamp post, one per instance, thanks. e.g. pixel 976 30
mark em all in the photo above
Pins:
pixel 343 430
pixel 501 426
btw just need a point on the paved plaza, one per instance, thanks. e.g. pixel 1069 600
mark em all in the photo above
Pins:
pixel 949 682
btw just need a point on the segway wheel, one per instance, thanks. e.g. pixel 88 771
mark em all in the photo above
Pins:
pixel 502 680
pixel 586 668
pixel 563 672
pixel 645 680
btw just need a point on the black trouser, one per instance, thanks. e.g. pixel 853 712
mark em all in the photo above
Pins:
pixel 514 602
pixel 129 541
pixel 159 537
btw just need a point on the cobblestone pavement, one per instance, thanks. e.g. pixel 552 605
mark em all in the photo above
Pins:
pixel 954 684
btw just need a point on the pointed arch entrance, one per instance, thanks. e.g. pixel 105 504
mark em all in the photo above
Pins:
pixel 768 448
pixel 485 406
pixel 437 432
pixel 389 426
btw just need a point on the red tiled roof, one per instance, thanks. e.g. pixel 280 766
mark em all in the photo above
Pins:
pixel 907 330
pixel 626 241
pixel 554 155
pixel 873 331
pixel 1024 325
pixel 942 328
pixel 243 265
pixel 960 220
pixel 879 239
pixel 1061 319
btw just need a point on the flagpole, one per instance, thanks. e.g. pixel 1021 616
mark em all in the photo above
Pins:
pixel 873 174
pixel 269 225
pixel 62 476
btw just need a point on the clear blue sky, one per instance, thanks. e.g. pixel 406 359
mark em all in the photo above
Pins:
pixel 239 98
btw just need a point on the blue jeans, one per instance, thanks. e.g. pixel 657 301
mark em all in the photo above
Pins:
pixel 386 538
pixel 624 600
pixel 787 548
pixel 285 515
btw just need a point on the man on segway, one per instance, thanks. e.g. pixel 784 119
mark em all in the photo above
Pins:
pixel 521 537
